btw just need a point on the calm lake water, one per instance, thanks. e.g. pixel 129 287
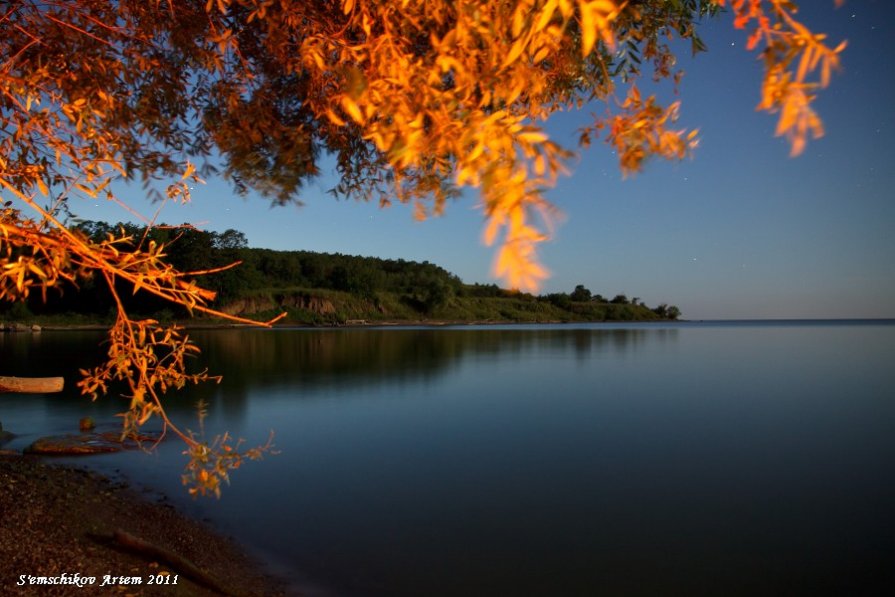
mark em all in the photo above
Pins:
pixel 681 459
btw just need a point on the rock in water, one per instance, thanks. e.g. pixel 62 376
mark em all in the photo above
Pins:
pixel 87 443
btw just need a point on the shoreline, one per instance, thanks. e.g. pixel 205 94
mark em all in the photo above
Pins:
pixel 434 323
pixel 439 323
pixel 61 520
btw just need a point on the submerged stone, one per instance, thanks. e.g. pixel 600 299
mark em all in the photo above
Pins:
pixel 88 443
pixel 5 436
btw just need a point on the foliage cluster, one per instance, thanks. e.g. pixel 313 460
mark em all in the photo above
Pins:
pixel 413 98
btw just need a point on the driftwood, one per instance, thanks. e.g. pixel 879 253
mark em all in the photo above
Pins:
pixel 31 385
pixel 177 562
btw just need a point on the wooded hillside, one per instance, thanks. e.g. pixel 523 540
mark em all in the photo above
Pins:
pixel 322 288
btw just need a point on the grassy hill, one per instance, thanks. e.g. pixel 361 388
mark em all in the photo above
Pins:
pixel 317 306
pixel 322 288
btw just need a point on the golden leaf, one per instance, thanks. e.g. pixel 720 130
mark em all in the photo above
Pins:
pixel 532 136
pixel 515 51
pixel 588 28
pixel 352 109
pixel 540 165
pixel 541 54
pixel 546 15
pixel 333 118
pixel 86 190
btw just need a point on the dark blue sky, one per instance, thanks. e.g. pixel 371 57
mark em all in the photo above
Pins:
pixel 740 231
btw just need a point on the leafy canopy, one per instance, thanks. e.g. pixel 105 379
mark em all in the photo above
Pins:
pixel 415 99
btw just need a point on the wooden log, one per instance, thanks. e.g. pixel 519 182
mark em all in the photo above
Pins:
pixel 177 562
pixel 31 385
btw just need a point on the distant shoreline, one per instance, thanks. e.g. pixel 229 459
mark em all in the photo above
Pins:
pixel 437 323
pixel 53 327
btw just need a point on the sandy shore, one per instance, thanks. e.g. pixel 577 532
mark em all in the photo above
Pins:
pixel 56 522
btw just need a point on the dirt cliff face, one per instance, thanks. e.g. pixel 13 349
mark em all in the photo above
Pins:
pixel 249 306
pixel 315 304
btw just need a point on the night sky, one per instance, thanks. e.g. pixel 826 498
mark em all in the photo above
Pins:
pixel 740 231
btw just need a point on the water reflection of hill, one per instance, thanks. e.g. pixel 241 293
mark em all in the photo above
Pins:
pixel 310 358
pixel 50 354
pixel 304 358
